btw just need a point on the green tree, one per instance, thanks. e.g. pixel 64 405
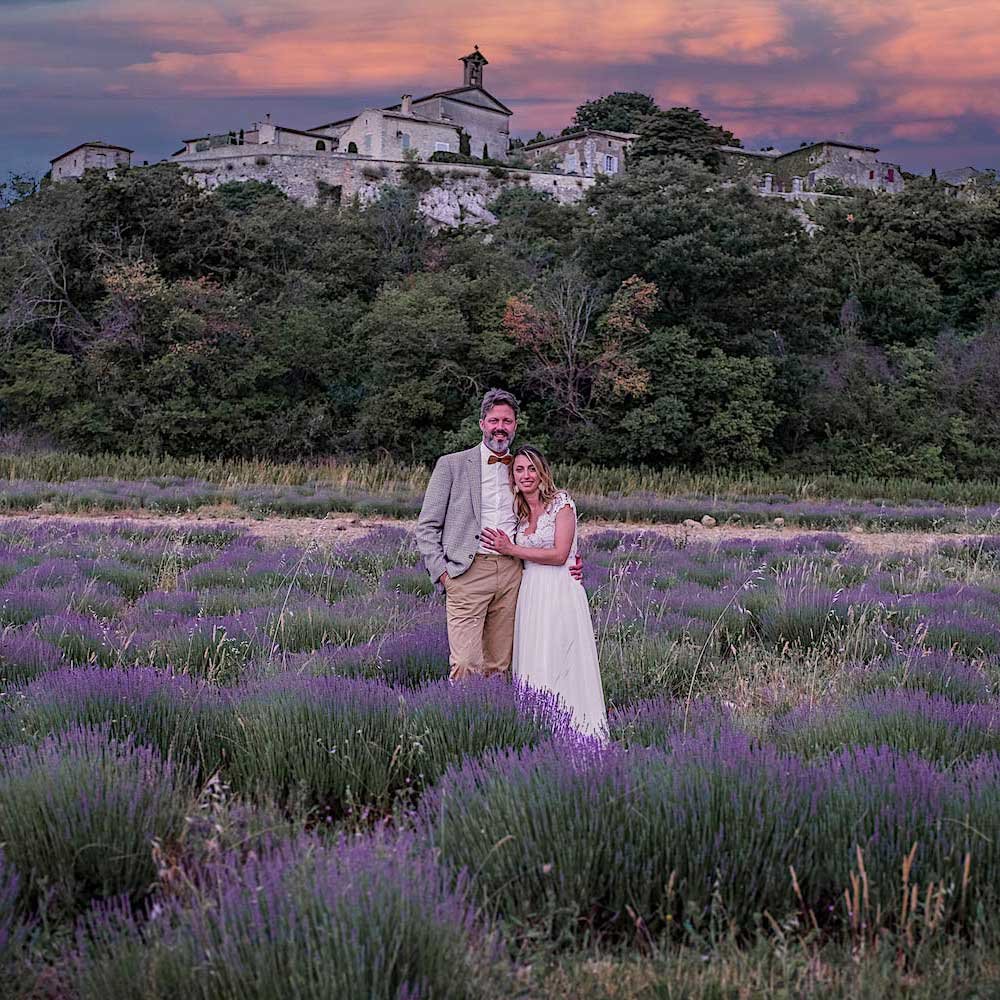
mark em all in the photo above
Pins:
pixel 244 197
pixel 703 407
pixel 924 252
pixel 681 132
pixel 622 111
pixel 727 263
pixel 414 342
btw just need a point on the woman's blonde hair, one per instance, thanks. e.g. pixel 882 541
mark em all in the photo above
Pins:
pixel 546 485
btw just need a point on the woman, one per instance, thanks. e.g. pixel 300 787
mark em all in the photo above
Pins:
pixel 554 647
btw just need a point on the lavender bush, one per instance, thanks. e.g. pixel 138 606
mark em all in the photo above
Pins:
pixel 704 835
pixel 24 657
pixel 334 745
pixel 79 813
pixel 372 920
pixel 13 930
pixel 903 719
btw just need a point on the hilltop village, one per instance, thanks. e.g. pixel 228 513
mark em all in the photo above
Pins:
pixel 462 138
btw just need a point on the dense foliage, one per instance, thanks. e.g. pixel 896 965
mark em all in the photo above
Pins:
pixel 667 319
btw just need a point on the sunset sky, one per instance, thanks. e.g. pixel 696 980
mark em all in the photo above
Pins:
pixel 919 78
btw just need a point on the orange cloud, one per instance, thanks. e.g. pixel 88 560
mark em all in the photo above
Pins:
pixel 906 70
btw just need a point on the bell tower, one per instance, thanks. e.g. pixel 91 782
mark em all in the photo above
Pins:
pixel 474 63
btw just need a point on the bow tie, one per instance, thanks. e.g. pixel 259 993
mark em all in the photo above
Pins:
pixel 506 459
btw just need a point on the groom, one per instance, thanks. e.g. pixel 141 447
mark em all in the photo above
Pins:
pixel 469 491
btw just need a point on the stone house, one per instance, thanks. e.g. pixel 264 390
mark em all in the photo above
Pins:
pixel 969 183
pixel 265 133
pixel 470 109
pixel 390 135
pixel 94 155
pixel 586 153
pixel 827 165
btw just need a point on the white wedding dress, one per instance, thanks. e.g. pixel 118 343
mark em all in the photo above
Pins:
pixel 554 647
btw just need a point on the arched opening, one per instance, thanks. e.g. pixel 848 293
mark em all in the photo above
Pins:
pixel 352 147
pixel 486 151
pixel 320 144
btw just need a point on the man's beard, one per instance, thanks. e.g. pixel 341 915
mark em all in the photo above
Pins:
pixel 498 444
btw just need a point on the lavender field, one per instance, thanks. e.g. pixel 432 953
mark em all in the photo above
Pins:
pixel 235 769
pixel 401 498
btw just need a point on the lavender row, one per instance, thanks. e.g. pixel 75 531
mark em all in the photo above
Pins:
pixel 176 495
pixel 327 745
pixel 711 829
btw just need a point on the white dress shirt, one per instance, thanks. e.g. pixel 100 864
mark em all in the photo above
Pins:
pixel 497 498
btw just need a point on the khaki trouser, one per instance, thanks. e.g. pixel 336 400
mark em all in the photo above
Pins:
pixel 481 605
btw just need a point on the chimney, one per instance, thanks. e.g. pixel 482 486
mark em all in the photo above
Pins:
pixel 406 106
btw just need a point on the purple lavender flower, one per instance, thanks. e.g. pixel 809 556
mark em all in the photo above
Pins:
pixel 369 918
pixel 24 656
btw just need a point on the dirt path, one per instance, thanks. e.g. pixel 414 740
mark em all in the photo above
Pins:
pixel 337 528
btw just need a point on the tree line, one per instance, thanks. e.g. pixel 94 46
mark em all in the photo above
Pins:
pixel 669 318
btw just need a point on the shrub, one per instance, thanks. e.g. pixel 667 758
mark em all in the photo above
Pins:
pixel 371 920
pixel 79 813
pixel 934 673
pixel 609 842
pixel 337 745
pixel 24 657
pixel 12 929
pixel 417 177
pixel 82 638
pixel 408 658
pixel 656 722
pixel 174 714
pixel 905 720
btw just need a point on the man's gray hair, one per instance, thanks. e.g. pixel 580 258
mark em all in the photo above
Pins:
pixel 497 397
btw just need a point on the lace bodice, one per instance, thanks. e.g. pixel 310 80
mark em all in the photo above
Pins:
pixel 544 535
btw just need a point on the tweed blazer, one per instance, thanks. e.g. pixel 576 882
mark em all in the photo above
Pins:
pixel 451 516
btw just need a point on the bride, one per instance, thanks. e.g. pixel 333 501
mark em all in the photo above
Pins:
pixel 554 647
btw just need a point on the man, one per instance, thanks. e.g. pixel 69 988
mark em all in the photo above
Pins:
pixel 468 491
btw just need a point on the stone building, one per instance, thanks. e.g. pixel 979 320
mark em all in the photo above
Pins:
pixel 586 153
pixel 970 183
pixel 265 133
pixel 94 155
pixel 830 165
pixel 391 135
pixel 470 109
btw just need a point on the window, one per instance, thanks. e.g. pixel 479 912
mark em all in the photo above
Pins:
pixel 871 175
pixel 320 144
pixel 442 147
pixel 890 175
pixel 610 164
pixel 368 142
pixel 404 140
pixel 352 147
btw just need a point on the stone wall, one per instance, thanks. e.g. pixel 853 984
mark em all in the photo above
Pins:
pixel 485 127
pixel 582 154
pixel 461 192
pixel 386 130
pixel 850 167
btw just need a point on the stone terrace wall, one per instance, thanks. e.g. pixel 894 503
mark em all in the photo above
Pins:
pixel 314 177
